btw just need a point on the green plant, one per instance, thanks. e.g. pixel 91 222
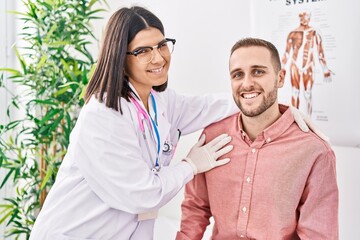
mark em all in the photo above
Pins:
pixel 55 66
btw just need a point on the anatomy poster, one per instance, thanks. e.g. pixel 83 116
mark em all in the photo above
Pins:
pixel 318 46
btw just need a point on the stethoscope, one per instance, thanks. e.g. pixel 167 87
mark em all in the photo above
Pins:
pixel 142 116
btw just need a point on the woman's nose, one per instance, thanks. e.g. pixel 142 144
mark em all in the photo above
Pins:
pixel 157 57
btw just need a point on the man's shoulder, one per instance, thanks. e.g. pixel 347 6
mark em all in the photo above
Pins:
pixel 309 139
pixel 222 125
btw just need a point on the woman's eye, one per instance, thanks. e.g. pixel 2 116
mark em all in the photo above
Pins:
pixel 162 45
pixel 143 50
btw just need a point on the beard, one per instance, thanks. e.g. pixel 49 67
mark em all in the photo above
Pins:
pixel 265 104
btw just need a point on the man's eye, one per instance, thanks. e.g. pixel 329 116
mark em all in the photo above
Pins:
pixel 258 72
pixel 237 75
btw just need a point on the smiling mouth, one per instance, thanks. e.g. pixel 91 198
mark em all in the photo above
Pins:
pixel 249 95
pixel 156 70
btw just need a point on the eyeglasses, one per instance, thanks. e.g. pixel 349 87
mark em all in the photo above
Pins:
pixel 146 54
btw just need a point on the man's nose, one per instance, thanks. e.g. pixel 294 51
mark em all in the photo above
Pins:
pixel 248 80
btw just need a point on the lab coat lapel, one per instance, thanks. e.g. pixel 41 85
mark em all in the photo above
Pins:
pixel 163 123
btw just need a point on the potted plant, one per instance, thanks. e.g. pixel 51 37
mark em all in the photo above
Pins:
pixel 55 65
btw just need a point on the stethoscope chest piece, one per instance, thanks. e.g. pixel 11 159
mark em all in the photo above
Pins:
pixel 167 147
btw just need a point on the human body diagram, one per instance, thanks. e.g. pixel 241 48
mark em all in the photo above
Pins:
pixel 302 45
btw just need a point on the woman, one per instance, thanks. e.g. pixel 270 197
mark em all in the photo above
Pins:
pixel 116 173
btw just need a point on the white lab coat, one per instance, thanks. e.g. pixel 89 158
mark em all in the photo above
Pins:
pixel 105 179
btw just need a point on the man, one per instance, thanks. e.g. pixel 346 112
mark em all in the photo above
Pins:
pixel 303 43
pixel 280 182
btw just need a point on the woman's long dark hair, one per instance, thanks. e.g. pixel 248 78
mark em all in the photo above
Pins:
pixel 109 77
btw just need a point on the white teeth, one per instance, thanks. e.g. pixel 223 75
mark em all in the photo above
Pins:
pixel 250 95
pixel 156 70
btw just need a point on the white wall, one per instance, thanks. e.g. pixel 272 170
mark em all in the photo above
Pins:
pixel 348 172
pixel 4 52
pixel 3 95
pixel 6 60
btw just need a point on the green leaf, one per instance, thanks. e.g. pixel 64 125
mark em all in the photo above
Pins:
pixel 41 62
pixel 96 11
pixel 44 102
pixel 47 5
pixel 44 129
pixel 12 125
pixel 5 207
pixel 12 71
pixel 67 129
pixel 69 83
pixel 15 203
pixel 59 43
pixel 61 91
pixel 55 124
pixel 50 33
pixel 92 2
pixel 14 215
pixel 21 60
pixel 46 178
pixel 6 178
pixel 17 13
pixel 83 91
pixel 6 216
pixel 50 2
pixel 85 53
pixel 92 70
pixel 2 157
pixel 67 68
pixel 49 115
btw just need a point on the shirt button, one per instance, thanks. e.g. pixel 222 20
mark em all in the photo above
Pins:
pixel 248 179
pixel 253 150
pixel 268 140
pixel 242 236
pixel 244 209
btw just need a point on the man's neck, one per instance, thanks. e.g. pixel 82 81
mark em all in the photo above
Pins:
pixel 253 126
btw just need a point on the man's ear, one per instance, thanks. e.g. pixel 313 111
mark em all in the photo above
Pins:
pixel 281 77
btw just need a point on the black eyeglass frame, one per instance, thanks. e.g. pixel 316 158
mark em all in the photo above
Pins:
pixel 138 50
